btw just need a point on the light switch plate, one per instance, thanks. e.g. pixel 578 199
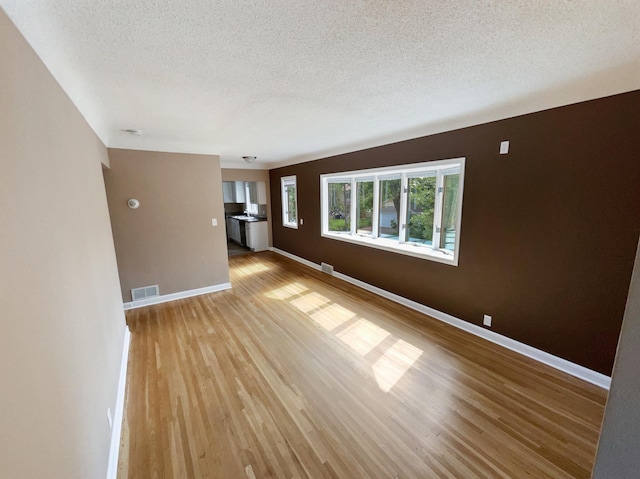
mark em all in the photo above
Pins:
pixel 214 221
pixel 504 147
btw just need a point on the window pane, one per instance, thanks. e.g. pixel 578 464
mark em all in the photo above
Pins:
pixel 449 210
pixel 364 202
pixel 292 214
pixel 389 208
pixel 420 210
pixel 339 206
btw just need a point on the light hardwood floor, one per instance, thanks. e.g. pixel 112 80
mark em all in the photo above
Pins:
pixel 293 373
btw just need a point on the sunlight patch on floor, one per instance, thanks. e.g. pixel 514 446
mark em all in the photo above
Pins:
pixel 362 336
pixel 249 472
pixel 394 363
pixel 332 316
pixel 252 269
pixel 286 292
pixel 310 301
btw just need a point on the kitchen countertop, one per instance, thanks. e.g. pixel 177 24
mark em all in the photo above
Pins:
pixel 249 219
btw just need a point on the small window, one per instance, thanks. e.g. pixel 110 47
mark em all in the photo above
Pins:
pixel 289 202
pixel 414 210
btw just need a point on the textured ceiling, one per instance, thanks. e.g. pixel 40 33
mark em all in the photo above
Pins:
pixel 293 80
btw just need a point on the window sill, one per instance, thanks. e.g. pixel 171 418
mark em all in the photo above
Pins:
pixel 409 249
pixel 290 225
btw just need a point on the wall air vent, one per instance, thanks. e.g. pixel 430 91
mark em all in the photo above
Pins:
pixel 145 292
pixel 326 268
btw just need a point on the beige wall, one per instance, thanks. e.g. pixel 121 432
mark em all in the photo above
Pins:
pixel 61 319
pixel 169 239
pixel 237 174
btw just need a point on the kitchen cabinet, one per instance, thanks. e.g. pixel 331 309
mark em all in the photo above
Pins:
pixel 228 191
pixel 228 225
pixel 257 192
pixel 253 192
pixel 239 189
pixel 233 191
pixel 257 235
pixel 234 231
pixel 261 188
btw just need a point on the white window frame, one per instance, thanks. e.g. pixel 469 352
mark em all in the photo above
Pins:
pixel 431 252
pixel 286 181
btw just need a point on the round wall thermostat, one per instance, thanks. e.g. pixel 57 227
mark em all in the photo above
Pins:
pixel 133 203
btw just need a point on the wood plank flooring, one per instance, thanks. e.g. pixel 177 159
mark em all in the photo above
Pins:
pixel 295 374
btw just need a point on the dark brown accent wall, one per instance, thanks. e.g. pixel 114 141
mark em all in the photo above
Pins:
pixel 549 231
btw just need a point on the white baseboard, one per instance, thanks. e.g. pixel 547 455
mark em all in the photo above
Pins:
pixel 556 362
pixel 173 296
pixel 116 430
pixel 305 262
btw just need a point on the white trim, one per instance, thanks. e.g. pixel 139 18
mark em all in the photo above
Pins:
pixel 116 431
pixel 305 262
pixel 556 362
pixel 395 246
pixel 173 296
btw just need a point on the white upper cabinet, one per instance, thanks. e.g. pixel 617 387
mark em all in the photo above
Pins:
pixel 233 191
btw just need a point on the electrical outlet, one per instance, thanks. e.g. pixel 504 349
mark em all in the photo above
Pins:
pixel 301 221
pixel 109 418
pixel 487 320
pixel 214 221
pixel 504 147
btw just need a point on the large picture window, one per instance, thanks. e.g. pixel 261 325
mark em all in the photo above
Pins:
pixel 289 202
pixel 414 210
